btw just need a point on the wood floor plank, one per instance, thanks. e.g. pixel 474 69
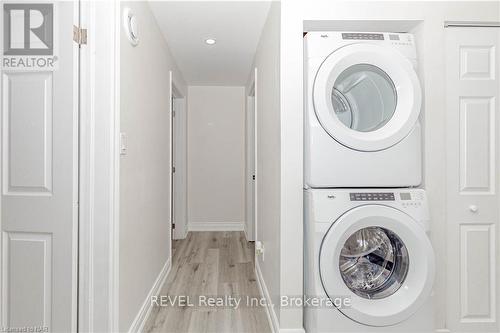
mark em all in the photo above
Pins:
pixel 210 264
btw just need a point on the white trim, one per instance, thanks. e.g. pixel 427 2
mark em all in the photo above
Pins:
pixel 147 306
pixel 99 168
pixel 216 226
pixel 472 24
pixel 264 292
pixel 251 235
pixel 170 159
pixel 86 176
pixel 246 233
pixel 77 110
pixel 114 169
pixel 292 330
pixel 256 155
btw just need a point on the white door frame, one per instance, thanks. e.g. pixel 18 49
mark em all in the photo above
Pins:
pixel 99 165
pixel 251 235
pixel 178 141
pixel 99 168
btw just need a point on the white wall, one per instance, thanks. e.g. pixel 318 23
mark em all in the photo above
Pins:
pixel 144 225
pixel 216 157
pixel 432 63
pixel 269 221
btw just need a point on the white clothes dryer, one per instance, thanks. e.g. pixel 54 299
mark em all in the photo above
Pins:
pixel 370 247
pixel 362 107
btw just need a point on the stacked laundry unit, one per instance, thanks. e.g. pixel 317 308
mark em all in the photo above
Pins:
pixel 367 249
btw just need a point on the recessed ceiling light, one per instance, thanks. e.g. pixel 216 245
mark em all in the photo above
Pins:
pixel 210 41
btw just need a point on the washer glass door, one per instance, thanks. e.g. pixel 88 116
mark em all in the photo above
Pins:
pixel 367 97
pixel 379 258
pixel 374 262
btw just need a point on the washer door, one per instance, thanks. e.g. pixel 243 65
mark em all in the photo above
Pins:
pixel 367 97
pixel 382 260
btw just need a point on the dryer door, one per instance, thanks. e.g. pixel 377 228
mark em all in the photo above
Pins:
pixel 382 260
pixel 367 97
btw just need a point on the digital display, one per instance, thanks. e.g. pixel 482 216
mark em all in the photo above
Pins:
pixel 393 37
pixel 362 36
pixel 405 196
pixel 374 196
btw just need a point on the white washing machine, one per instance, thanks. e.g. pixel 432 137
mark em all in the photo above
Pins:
pixel 362 107
pixel 368 252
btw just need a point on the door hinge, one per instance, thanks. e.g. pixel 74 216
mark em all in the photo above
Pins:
pixel 173 225
pixel 79 35
pixel 173 169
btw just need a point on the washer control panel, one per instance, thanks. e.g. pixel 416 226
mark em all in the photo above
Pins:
pixel 332 203
pixel 411 199
pixel 406 199
pixel 372 196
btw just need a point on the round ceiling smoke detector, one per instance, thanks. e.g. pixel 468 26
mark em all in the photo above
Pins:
pixel 130 26
pixel 210 41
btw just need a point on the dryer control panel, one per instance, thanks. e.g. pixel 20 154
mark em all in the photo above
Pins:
pixel 371 196
pixel 362 36
pixel 323 43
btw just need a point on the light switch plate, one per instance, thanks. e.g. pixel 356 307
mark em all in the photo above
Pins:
pixel 123 144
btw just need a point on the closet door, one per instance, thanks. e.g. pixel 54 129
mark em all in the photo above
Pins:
pixel 39 170
pixel 473 204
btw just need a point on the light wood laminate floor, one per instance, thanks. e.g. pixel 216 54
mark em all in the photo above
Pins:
pixel 211 264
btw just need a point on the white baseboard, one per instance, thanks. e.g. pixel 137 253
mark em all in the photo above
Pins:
pixel 270 308
pixel 216 226
pixel 245 231
pixel 247 236
pixel 176 233
pixel 142 316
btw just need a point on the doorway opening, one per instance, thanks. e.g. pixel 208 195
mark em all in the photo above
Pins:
pixel 251 163
pixel 194 162
pixel 178 179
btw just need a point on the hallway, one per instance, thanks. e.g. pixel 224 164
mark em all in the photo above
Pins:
pixel 212 264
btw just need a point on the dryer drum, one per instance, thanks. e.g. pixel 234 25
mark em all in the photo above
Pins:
pixel 374 262
pixel 364 97
pixel 342 108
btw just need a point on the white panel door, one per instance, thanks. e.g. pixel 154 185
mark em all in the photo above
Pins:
pixel 39 189
pixel 473 88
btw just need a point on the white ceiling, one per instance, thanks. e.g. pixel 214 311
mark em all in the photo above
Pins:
pixel 236 25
